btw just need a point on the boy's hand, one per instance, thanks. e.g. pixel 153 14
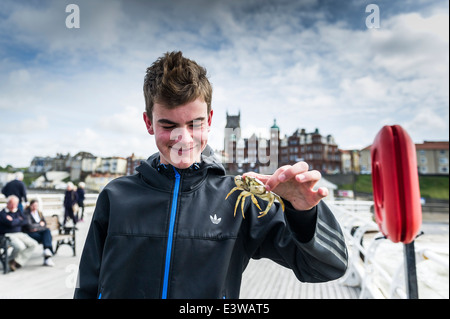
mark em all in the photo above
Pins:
pixel 294 184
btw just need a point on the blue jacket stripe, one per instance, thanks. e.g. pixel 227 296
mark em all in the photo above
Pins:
pixel 173 213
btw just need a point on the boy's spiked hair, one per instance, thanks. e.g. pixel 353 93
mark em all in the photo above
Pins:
pixel 174 80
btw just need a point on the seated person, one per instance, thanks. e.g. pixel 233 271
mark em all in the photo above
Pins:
pixel 11 222
pixel 36 228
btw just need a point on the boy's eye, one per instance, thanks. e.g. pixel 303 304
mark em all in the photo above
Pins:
pixel 171 127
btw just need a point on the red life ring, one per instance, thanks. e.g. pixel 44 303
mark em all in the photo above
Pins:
pixel 395 181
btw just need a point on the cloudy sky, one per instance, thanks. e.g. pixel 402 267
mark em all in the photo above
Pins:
pixel 309 64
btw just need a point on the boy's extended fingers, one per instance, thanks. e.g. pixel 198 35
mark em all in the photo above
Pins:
pixel 261 177
pixel 292 171
pixel 299 171
pixel 310 176
pixel 323 191
pixel 274 180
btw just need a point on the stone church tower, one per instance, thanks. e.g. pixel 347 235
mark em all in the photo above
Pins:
pixel 232 135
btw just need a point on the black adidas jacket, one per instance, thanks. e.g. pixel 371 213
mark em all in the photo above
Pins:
pixel 168 233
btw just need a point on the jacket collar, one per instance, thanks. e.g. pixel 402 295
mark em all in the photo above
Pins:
pixel 161 176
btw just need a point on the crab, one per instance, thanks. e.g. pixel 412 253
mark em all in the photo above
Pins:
pixel 251 187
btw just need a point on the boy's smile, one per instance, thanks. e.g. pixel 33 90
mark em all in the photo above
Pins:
pixel 181 133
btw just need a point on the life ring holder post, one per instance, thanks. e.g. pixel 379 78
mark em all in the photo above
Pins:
pixel 395 181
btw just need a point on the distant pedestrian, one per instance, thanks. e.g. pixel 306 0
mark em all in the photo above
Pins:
pixel 16 187
pixel 80 193
pixel 70 204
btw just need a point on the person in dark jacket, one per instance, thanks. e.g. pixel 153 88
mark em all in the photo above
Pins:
pixel 70 204
pixel 81 196
pixel 168 232
pixel 16 187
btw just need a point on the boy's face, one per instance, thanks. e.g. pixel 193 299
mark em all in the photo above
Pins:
pixel 181 133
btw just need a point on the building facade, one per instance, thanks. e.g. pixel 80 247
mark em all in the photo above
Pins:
pixel 320 152
pixel 133 162
pixel 266 155
pixel 432 158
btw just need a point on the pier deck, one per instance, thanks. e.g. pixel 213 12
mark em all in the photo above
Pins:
pixel 262 278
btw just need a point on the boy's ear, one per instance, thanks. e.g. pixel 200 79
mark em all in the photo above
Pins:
pixel 210 118
pixel 148 123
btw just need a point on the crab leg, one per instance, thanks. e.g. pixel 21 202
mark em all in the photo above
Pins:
pixel 255 201
pixel 235 188
pixel 253 198
pixel 280 200
pixel 243 202
pixel 272 198
pixel 247 194
pixel 240 198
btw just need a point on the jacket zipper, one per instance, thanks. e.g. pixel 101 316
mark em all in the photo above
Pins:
pixel 173 213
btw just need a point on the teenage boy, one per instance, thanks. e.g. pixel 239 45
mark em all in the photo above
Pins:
pixel 168 232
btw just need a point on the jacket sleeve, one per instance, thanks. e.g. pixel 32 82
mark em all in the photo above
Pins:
pixel 311 243
pixel 91 258
pixel 28 221
pixel 3 219
pixel 17 221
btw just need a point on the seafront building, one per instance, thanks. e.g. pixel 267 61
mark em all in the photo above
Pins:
pixel 263 155
pixel 432 158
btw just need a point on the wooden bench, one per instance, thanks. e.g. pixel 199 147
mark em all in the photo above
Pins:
pixel 63 235
pixel 5 243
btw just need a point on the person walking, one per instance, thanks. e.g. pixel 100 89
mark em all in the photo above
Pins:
pixel 81 196
pixel 70 204
pixel 16 187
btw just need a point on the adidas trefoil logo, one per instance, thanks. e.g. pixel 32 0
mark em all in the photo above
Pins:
pixel 214 219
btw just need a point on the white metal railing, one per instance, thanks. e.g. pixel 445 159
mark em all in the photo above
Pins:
pixel 378 274
pixel 355 206
pixel 51 204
